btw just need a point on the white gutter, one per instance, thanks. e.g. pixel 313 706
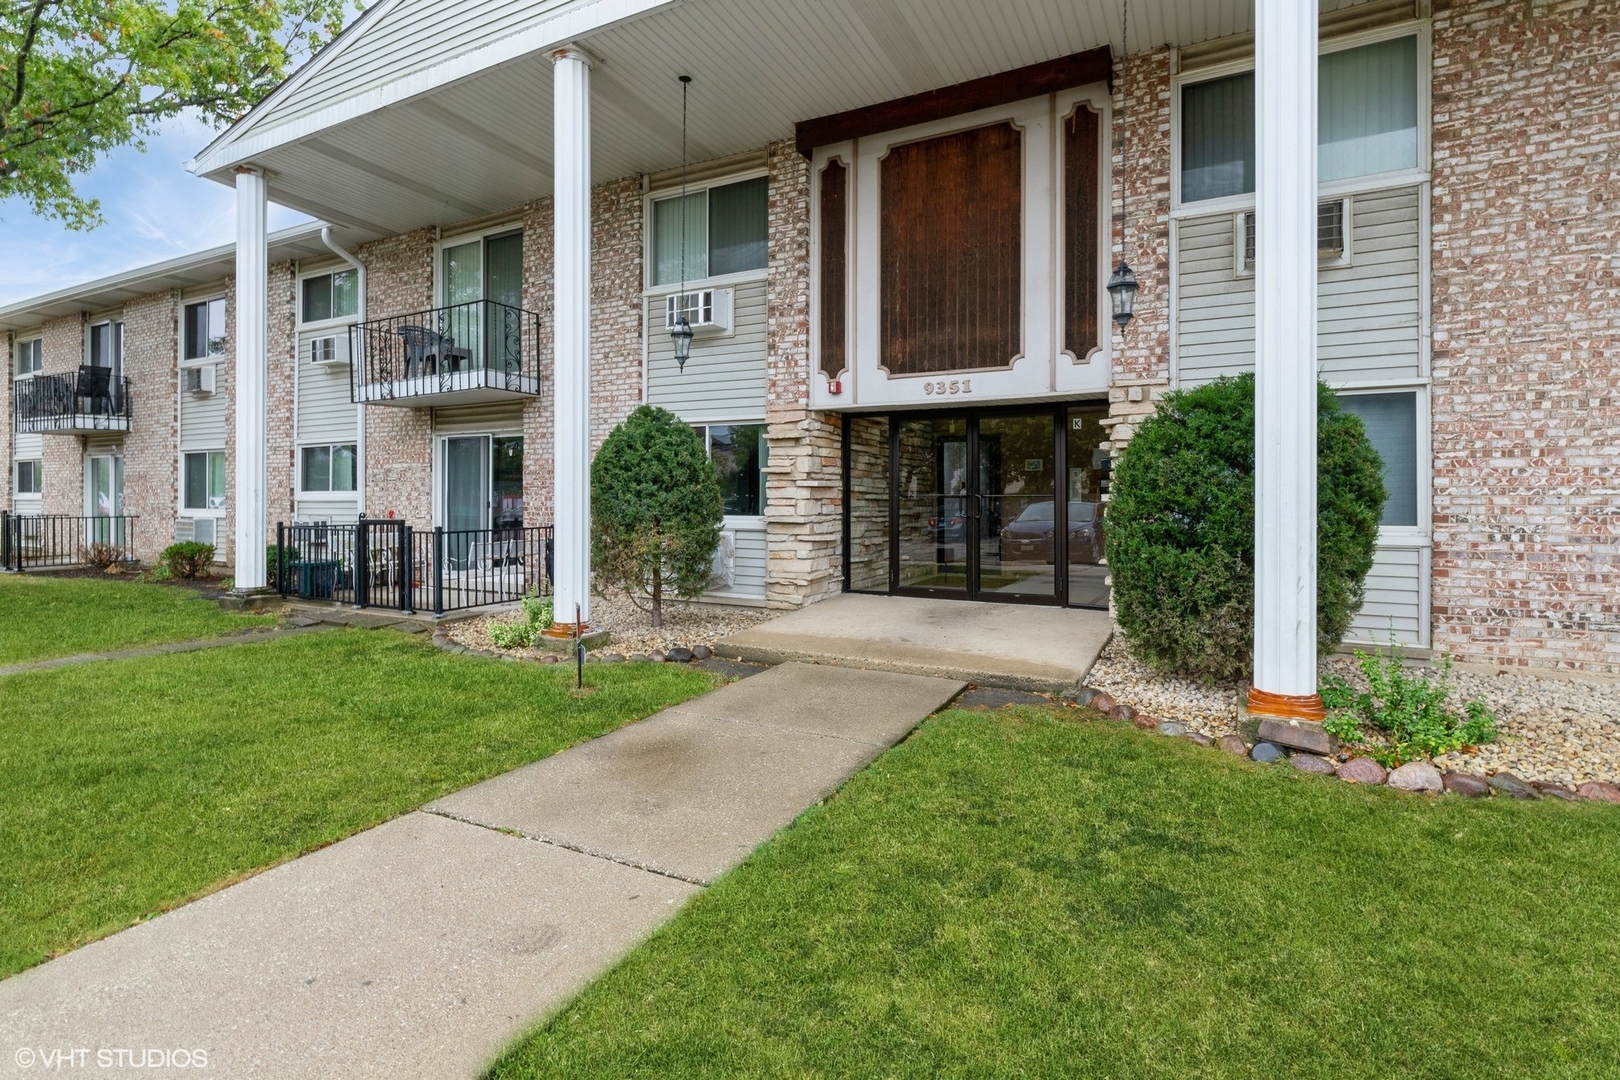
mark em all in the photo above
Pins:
pixel 359 408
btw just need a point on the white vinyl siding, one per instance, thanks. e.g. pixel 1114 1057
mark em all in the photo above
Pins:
pixel 753 556
pixel 725 379
pixel 202 416
pixel 1394 604
pixel 1369 312
pixel 325 413
pixel 478 420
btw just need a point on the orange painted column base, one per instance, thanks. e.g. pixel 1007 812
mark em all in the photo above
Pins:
pixel 567 630
pixel 1286 706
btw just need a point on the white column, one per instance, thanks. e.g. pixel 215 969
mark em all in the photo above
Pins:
pixel 252 320
pixel 571 312
pixel 1285 361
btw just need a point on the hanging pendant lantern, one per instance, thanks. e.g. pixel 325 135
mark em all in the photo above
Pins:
pixel 681 335
pixel 681 332
pixel 1122 291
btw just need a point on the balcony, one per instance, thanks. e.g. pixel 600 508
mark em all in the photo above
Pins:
pixel 465 354
pixel 92 400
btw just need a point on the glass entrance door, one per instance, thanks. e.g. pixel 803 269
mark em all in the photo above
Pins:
pixel 106 499
pixel 975 506
pixel 466 496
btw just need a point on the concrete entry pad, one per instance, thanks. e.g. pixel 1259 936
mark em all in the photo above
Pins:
pixel 693 790
pixel 1019 646
pixel 416 949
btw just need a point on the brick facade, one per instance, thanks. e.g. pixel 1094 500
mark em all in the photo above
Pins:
pixel 1526 314
pixel 282 368
pixel 151 344
pixel 399 442
pixel 62 486
pixel 804 485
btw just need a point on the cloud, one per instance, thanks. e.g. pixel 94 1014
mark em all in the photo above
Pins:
pixel 154 210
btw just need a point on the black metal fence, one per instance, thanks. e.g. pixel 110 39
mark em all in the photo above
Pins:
pixel 91 400
pixel 382 563
pixel 480 345
pixel 29 542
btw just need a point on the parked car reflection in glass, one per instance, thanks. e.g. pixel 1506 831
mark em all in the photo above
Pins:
pixel 1031 535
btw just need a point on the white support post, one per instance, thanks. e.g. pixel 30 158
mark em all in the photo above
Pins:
pixel 252 321
pixel 1285 362
pixel 571 311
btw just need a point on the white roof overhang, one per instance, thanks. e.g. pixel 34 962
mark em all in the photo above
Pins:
pixel 184 272
pixel 415 133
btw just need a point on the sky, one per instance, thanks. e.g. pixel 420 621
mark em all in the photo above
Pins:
pixel 154 210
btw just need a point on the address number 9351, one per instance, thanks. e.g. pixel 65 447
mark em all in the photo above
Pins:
pixel 944 388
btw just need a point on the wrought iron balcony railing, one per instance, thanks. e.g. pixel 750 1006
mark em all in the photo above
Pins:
pixel 90 400
pixel 461 354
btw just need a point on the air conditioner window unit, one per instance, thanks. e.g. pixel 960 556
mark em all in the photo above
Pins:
pixel 706 310
pixel 331 349
pixel 200 380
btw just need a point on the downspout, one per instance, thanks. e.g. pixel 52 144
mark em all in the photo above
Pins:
pixel 359 408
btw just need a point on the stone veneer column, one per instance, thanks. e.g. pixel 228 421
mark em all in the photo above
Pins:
pixel 1285 362
pixel 252 324
pixel 571 82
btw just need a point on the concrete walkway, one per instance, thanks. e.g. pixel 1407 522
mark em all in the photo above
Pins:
pixel 420 947
pixel 1018 646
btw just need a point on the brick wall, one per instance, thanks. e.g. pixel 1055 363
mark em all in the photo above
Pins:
pixel 399 442
pixel 62 352
pixel 7 422
pixel 616 307
pixel 1526 313
pixel 282 364
pixel 151 465
pixel 539 415
pixel 804 484
pixel 1141 203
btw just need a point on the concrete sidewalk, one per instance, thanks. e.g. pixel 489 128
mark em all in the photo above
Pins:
pixel 1018 646
pixel 420 947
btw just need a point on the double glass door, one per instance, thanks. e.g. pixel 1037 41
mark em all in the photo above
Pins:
pixel 483 492
pixel 977 514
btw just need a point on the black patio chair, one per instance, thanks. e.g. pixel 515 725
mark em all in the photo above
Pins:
pixel 95 384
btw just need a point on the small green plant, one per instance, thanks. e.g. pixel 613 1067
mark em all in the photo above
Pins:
pixel 161 572
pixel 101 556
pixel 1401 716
pixel 520 633
pixel 188 559
pixel 271 561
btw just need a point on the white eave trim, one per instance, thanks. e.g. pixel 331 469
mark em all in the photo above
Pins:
pixel 240 143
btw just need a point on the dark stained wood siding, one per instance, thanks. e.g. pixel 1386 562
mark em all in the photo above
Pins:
pixel 1082 225
pixel 834 268
pixel 951 252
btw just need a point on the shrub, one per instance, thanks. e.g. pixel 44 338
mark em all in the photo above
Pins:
pixel 655 509
pixel 1180 529
pixel 108 557
pixel 271 553
pixel 1403 716
pixel 189 559
pixel 534 617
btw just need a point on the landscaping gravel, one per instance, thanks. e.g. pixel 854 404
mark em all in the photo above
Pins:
pixel 1562 729
pixel 689 629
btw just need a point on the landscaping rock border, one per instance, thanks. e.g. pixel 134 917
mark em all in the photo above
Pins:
pixel 1415 777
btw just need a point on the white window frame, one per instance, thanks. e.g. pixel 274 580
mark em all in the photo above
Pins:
pixel 336 321
pixel 1419 535
pixel 39 477
pixel 736 521
pixel 650 253
pixel 16 353
pixel 482 235
pixel 180 345
pixel 306 494
pixel 203 512
pixel 1243 268
pixel 96 323
pixel 1349 186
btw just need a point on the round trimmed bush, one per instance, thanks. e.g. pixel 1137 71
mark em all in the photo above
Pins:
pixel 655 508
pixel 1180 529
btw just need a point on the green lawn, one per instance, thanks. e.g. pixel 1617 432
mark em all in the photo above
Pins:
pixel 130 786
pixel 1029 894
pixel 44 617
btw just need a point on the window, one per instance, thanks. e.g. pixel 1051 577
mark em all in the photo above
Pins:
pixel 205 329
pixel 107 346
pixel 725 232
pixel 739 453
pixel 205 480
pixel 328 468
pixel 1391 421
pixel 1330 233
pixel 1367 121
pixel 331 296
pixel 29 357
pixel 29 475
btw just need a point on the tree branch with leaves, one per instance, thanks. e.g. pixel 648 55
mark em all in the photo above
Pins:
pixel 79 78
